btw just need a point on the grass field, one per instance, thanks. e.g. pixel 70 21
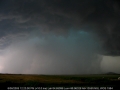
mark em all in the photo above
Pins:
pixel 24 80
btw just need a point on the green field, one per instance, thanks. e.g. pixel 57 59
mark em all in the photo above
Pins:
pixel 24 80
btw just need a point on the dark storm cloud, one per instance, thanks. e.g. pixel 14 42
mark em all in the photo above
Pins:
pixel 101 17
pixel 59 36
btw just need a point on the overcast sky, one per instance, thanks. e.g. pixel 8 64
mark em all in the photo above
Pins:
pixel 59 36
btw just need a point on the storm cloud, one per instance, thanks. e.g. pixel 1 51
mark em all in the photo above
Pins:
pixel 58 36
pixel 52 55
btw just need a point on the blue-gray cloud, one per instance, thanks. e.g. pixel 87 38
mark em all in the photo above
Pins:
pixel 100 17
pixel 64 30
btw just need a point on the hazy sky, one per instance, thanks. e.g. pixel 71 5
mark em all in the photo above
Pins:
pixel 59 36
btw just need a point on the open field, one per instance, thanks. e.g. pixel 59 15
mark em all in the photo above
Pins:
pixel 24 80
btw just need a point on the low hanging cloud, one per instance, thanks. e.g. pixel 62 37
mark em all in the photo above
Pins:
pixel 52 54
pixel 110 64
